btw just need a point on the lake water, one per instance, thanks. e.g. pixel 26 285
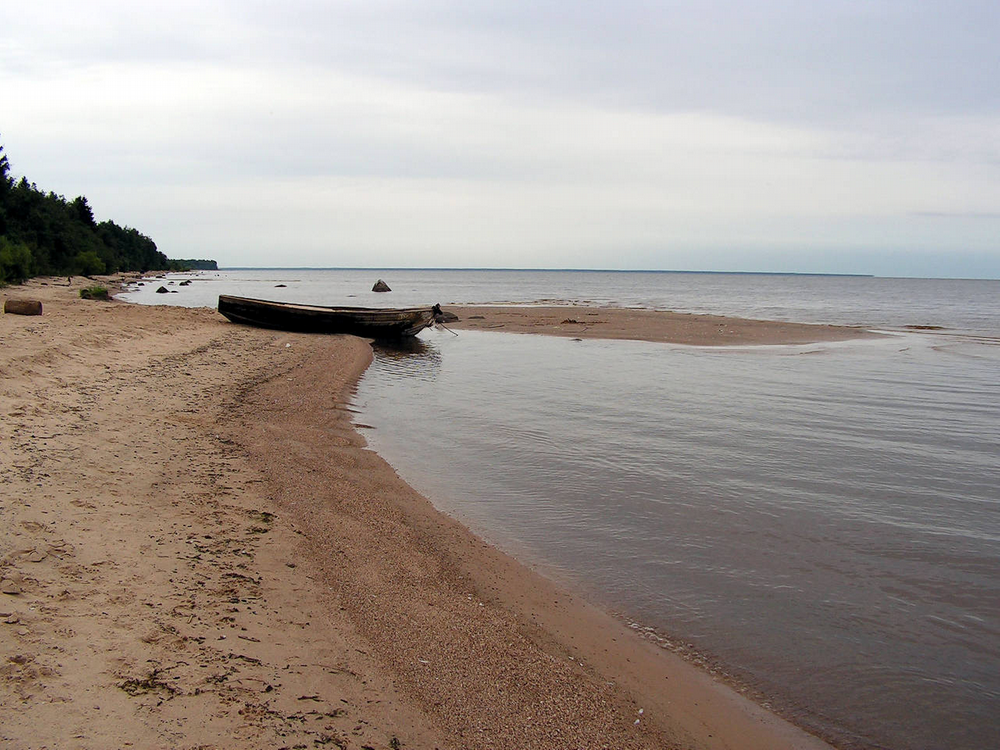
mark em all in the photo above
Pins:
pixel 972 306
pixel 821 522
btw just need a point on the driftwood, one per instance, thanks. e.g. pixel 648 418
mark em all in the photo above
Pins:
pixel 22 307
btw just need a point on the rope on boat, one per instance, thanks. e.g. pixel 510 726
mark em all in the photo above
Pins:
pixel 438 322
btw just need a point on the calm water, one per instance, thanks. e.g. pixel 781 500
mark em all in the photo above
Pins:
pixel 821 521
pixel 968 305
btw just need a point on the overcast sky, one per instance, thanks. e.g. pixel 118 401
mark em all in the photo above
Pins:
pixel 714 135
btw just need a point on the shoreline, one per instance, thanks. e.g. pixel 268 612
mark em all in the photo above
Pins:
pixel 207 554
pixel 639 324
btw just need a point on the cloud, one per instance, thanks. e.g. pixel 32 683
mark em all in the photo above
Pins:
pixel 771 59
pixel 990 215
pixel 520 134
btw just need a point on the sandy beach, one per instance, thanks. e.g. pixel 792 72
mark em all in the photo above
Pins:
pixel 197 550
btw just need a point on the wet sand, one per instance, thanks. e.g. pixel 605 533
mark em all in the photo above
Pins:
pixel 197 550
pixel 647 325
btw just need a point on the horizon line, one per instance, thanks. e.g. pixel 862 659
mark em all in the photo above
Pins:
pixel 537 270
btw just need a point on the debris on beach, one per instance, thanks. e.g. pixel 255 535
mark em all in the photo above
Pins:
pixel 22 307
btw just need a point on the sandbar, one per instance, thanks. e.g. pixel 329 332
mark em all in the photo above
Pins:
pixel 660 326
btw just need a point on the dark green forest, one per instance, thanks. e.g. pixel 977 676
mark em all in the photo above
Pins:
pixel 44 234
pixel 200 264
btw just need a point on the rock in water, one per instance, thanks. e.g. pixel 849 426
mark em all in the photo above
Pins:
pixel 22 306
pixel 162 290
pixel 381 286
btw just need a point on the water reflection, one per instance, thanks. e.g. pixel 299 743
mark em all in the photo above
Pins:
pixel 407 358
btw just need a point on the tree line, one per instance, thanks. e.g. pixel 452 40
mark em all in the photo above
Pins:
pixel 44 234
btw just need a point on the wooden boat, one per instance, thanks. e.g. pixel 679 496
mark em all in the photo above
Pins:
pixel 370 322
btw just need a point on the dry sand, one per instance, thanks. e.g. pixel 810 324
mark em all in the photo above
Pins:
pixel 198 551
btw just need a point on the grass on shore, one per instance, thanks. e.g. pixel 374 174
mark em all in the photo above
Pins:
pixel 94 292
